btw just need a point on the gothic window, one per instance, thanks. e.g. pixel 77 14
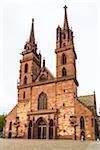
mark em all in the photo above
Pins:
pixel 82 122
pixel 64 73
pixel 10 126
pixel 24 95
pixel 42 101
pixel 26 68
pixel 64 36
pixel 25 80
pixel 63 59
pixel 41 121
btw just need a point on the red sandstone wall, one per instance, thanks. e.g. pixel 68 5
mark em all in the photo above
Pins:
pixel 81 110
pixel 11 117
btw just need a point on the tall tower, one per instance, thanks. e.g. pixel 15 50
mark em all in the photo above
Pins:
pixel 30 65
pixel 66 78
pixel 65 53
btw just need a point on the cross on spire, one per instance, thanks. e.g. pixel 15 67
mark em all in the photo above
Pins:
pixel 65 7
pixel 65 27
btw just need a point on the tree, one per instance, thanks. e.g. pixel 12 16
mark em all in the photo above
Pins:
pixel 2 118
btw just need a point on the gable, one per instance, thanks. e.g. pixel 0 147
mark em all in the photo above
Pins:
pixel 12 113
pixel 44 75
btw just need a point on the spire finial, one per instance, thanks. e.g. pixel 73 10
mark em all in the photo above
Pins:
pixel 32 37
pixel 65 27
pixel 65 7
pixel 32 19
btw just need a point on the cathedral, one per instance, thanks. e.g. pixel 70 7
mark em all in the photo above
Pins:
pixel 49 107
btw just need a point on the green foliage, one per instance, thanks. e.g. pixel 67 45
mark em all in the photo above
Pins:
pixel 2 118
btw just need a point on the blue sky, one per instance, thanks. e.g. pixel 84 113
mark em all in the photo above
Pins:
pixel 15 24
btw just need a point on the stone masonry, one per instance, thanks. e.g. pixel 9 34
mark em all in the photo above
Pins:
pixel 48 107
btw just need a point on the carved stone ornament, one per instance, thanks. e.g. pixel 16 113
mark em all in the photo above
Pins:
pixel 43 77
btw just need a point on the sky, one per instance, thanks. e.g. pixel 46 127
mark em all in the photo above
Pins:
pixel 15 24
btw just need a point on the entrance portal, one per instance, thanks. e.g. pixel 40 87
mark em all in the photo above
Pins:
pixel 41 129
pixel 10 135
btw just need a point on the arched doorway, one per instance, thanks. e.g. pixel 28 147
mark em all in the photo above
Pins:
pixel 41 128
pixel 82 135
pixel 51 129
pixel 29 130
pixel 10 135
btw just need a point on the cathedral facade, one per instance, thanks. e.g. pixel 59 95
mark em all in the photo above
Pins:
pixel 49 107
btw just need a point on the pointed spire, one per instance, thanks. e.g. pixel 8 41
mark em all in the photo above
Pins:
pixel 94 98
pixel 32 37
pixel 43 62
pixel 65 27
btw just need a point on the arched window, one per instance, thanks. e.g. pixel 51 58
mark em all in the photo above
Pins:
pixel 41 121
pixel 63 59
pixel 82 122
pixel 26 68
pixel 10 125
pixel 42 101
pixel 25 80
pixel 64 36
pixel 24 95
pixel 64 73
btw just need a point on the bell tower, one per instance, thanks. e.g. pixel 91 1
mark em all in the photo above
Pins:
pixel 66 78
pixel 31 61
pixel 65 53
pixel 30 65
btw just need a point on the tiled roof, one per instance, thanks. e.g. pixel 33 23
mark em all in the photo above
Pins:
pixel 87 100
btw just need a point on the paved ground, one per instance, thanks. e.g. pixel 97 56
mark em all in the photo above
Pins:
pixel 19 144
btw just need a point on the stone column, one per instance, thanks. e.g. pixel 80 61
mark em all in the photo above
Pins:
pixel 54 128
pixel 47 131
pixel 32 130
pixel 54 135
pixel 26 131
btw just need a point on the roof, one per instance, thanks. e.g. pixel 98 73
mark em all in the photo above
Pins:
pixel 87 100
pixel 15 107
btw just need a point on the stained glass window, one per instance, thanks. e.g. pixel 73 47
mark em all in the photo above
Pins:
pixel 81 122
pixel 42 101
